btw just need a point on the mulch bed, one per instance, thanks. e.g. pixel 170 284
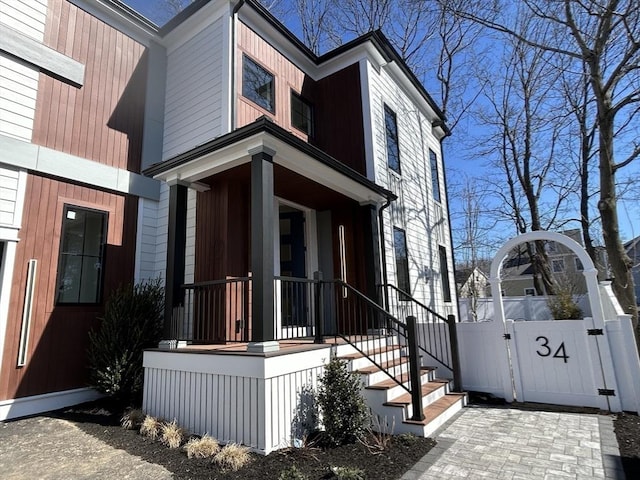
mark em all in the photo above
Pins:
pixel 402 453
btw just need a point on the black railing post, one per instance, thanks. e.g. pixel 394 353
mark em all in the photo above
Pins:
pixel 414 370
pixel 318 287
pixel 455 356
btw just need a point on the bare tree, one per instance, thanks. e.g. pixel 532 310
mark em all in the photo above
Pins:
pixel 605 35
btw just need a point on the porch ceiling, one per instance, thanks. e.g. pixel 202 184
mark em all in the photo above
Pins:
pixel 236 148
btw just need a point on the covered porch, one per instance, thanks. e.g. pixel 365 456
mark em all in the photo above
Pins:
pixel 274 217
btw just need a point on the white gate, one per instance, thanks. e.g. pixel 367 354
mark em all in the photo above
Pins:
pixel 567 362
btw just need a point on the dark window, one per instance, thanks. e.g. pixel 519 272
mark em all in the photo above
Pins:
pixel 402 260
pixel 258 84
pixel 301 114
pixel 579 266
pixel 557 265
pixel 444 274
pixel 393 149
pixel 435 178
pixel 81 259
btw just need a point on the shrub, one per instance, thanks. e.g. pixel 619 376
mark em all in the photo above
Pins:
pixel 292 473
pixel 151 427
pixel 562 305
pixel 132 321
pixel 348 473
pixel 132 419
pixel 204 447
pixel 172 435
pixel 344 411
pixel 232 457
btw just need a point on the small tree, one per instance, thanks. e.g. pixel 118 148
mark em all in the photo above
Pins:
pixel 344 411
pixel 132 321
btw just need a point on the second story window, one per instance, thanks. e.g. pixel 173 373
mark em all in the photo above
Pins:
pixel 402 261
pixel 435 178
pixel 258 85
pixel 301 114
pixel 393 149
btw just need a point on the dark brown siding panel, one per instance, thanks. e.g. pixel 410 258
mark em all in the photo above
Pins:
pixel 339 129
pixel 102 120
pixel 58 337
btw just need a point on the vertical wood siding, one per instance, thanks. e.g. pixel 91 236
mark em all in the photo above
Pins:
pixel 56 359
pixel 194 96
pixel 287 77
pixel 102 121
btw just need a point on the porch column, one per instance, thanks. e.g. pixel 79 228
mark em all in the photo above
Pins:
pixel 262 245
pixel 176 241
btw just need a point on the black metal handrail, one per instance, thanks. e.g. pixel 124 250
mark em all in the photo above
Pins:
pixel 434 337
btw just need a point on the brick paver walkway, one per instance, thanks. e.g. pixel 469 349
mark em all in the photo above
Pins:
pixel 505 443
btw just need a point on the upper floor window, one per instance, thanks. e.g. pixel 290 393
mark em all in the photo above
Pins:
pixel 301 114
pixel 402 260
pixel 81 259
pixel 579 266
pixel 393 149
pixel 557 265
pixel 258 85
pixel 435 177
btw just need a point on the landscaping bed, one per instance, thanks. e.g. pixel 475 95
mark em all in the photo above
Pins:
pixel 400 455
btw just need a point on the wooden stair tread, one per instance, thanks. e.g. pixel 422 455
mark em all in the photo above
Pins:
pixel 393 363
pixel 433 410
pixel 427 388
pixel 390 383
pixel 356 355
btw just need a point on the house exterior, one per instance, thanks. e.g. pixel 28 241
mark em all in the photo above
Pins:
pixel 632 248
pixel 223 156
pixel 565 266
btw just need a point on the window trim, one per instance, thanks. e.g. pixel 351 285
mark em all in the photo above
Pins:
pixel 307 103
pixel 529 292
pixel 389 113
pixel 61 254
pixel 247 58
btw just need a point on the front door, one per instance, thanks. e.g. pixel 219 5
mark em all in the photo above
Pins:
pixel 293 265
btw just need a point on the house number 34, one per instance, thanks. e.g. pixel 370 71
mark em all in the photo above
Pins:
pixel 545 350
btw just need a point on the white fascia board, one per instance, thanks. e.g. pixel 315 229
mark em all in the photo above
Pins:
pixel 116 17
pixel 286 156
pixel 24 406
pixel 197 22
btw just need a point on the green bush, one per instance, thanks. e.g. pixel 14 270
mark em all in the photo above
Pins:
pixel 344 411
pixel 292 473
pixel 133 320
pixel 563 307
pixel 348 473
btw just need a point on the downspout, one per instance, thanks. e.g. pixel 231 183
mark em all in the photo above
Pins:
pixel 232 103
pixel 382 251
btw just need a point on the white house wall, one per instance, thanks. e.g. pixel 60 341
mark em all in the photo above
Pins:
pixel 196 96
pixel 19 81
pixel 424 220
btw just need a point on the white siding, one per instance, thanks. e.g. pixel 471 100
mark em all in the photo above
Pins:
pixel 147 242
pixel 424 220
pixel 19 82
pixel 195 91
pixel 26 16
pixel 162 229
pixel 11 196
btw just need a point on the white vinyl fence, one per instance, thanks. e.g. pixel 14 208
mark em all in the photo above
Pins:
pixel 515 308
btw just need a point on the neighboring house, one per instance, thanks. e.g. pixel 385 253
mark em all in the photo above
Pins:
pixel 517 271
pixel 263 165
pixel 632 247
pixel 472 282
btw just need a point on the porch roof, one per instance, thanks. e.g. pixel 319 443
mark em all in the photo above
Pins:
pixel 235 148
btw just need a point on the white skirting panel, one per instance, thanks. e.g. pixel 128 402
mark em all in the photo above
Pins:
pixel 253 400
pixel 21 407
